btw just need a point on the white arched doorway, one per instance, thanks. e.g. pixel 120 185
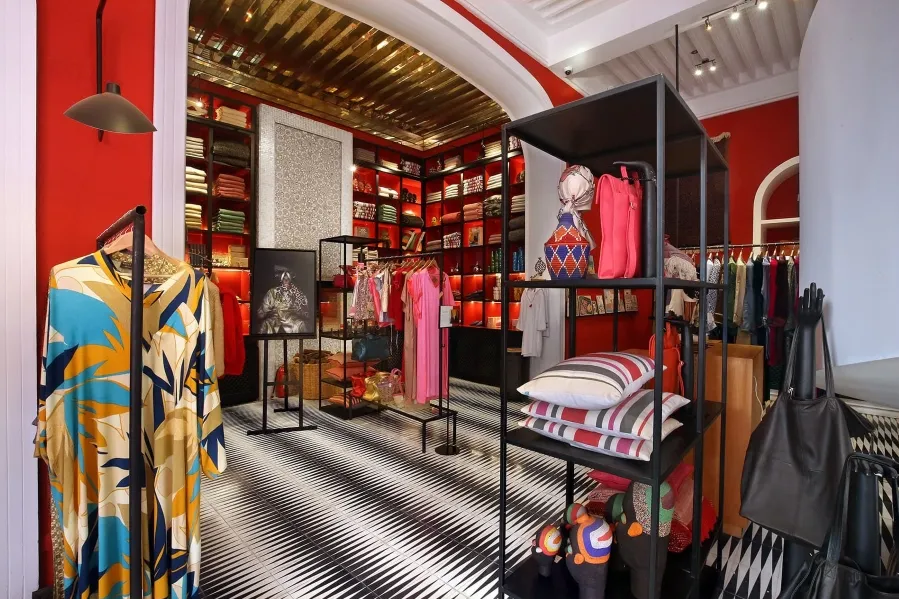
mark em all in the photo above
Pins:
pixel 429 25
pixel 780 173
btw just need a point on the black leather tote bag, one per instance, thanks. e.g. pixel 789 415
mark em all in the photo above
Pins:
pixel 794 460
pixel 830 575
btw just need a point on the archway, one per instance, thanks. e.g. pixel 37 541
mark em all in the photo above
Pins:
pixel 775 178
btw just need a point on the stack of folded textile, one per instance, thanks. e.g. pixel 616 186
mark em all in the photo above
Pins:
pixel 413 168
pixel 452 240
pixel 494 148
pixel 196 107
pixel 410 219
pixel 518 204
pixel 230 116
pixel 238 255
pixel 193 216
pixel 230 186
pixel 452 162
pixel 473 185
pixel 387 214
pixel 472 212
pixel 495 239
pixel 434 244
pixel 516 224
pixel 452 218
pixel 364 154
pixel 388 193
pixel 493 206
pixel 195 180
pixel 364 210
pixel 229 221
pixel 451 191
pixel 432 197
pixel 194 147
pixel 231 152
pixel 495 181
pixel 595 402
pixel 390 164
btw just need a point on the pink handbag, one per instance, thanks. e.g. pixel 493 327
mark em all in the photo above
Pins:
pixel 620 207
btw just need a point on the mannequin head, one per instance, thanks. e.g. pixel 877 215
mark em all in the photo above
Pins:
pixel 590 545
pixel 545 547
pixel 634 533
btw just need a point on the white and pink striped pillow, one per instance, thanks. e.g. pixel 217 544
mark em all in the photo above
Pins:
pixel 591 382
pixel 634 449
pixel 631 419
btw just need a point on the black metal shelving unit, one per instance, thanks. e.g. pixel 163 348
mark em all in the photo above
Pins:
pixel 648 121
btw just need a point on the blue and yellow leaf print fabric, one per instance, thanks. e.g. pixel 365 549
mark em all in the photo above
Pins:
pixel 82 426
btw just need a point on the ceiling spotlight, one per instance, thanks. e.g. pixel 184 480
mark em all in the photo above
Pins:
pixel 762 5
pixel 353 168
pixel 713 68
pixel 698 72
pixel 708 24
pixel 735 15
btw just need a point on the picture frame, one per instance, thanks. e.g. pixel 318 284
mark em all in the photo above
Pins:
pixel 284 294
pixel 630 301
pixel 600 305
pixel 608 296
pixel 585 306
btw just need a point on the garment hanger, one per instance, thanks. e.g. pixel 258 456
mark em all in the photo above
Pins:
pixel 162 267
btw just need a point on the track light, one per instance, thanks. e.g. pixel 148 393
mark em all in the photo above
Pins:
pixel 698 72
pixel 713 68
pixel 763 4
pixel 708 24
pixel 735 15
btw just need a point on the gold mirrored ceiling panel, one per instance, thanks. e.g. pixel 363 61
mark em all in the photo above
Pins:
pixel 305 56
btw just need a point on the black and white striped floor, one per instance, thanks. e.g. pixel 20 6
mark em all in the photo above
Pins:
pixel 355 510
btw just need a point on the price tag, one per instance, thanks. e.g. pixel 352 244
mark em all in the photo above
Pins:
pixel 446 317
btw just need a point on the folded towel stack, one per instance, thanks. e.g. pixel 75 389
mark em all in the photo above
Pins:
pixel 388 193
pixel 452 218
pixel 387 214
pixel 364 154
pixel 494 148
pixel 473 211
pixel 196 107
pixel 238 118
pixel 452 240
pixel 230 186
pixel 516 235
pixel 231 152
pixel 495 239
pixel 194 147
pixel 452 162
pixel 410 219
pixel 195 180
pixel 238 255
pixel 193 216
pixel 434 244
pixel 413 168
pixel 451 191
pixel 495 181
pixel 434 196
pixel 364 210
pixel 518 204
pixel 493 206
pixel 473 185
pixel 390 164
pixel 516 223
pixel 229 221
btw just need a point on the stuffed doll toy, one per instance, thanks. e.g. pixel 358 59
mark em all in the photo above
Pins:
pixel 633 530
pixel 545 547
pixel 590 545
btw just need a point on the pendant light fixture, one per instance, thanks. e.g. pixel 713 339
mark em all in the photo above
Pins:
pixel 108 110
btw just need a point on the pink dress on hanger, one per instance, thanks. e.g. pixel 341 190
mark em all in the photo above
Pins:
pixel 427 300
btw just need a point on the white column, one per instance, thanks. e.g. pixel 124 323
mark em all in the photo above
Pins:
pixel 849 143
pixel 170 118
pixel 18 342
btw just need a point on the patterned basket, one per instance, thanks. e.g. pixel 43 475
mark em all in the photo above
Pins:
pixel 566 251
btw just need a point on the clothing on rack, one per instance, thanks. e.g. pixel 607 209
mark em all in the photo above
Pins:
pixel 425 291
pixel 231 116
pixel 533 322
pixel 232 321
pixel 217 323
pixel 84 415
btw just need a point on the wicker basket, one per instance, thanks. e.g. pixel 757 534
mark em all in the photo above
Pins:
pixel 312 362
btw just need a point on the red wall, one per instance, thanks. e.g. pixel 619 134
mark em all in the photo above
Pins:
pixel 761 138
pixel 84 185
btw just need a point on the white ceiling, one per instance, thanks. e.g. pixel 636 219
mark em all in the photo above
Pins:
pixel 610 42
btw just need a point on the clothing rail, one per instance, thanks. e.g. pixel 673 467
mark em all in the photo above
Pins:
pixel 135 218
pixel 406 257
pixel 740 245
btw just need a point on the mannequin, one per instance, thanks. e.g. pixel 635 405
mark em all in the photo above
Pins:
pixel 863 529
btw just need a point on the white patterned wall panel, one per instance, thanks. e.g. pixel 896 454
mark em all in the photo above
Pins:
pixel 18 349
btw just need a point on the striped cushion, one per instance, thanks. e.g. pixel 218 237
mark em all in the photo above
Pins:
pixel 591 382
pixel 632 449
pixel 631 419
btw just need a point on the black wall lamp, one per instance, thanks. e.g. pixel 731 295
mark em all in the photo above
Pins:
pixel 109 110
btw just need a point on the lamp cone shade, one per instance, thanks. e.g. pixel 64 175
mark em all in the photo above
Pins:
pixel 110 111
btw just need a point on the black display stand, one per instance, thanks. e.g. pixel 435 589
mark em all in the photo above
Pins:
pixel 271 384
pixel 645 121
pixel 135 219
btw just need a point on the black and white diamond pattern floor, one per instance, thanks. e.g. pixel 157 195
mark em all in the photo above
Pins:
pixel 355 510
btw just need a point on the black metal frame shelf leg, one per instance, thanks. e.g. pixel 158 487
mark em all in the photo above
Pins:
pixel 266 384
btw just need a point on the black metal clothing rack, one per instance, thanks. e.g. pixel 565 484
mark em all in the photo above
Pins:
pixel 597 132
pixel 741 245
pixel 136 219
